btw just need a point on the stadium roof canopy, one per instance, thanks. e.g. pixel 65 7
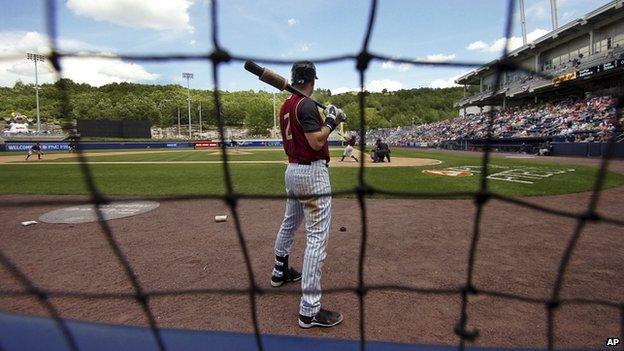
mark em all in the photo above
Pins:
pixel 567 31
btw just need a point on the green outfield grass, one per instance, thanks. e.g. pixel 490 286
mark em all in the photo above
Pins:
pixel 196 179
pixel 189 155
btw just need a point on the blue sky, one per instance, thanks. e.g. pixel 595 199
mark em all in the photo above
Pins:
pixel 440 30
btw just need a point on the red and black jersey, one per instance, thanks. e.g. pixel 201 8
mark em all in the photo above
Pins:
pixel 351 141
pixel 293 133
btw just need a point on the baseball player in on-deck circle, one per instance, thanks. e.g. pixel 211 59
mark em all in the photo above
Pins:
pixel 348 151
pixel 304 134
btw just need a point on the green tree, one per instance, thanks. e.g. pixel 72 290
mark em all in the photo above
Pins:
pixel 259 118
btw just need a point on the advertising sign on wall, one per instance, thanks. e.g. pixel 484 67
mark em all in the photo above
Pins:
pixel 44 147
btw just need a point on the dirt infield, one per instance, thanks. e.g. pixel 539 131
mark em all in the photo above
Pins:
pixel 335 162
pixel 58 155
pixel 422 243
pixel 396 161
pixel 231 152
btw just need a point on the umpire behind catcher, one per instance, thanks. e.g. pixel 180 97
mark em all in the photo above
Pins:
pixel 380 152
pixel 304 134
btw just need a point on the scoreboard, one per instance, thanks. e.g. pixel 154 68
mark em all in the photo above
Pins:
pixel 590 72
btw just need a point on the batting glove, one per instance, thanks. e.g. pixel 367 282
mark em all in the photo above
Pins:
pixel 333 117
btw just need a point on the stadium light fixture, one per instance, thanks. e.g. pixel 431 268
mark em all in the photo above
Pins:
pixel 553 14
pixel 188 77
pixel 523 22
pixel 200 121
pixel 274 118
pixel 36 57
pixel 179 133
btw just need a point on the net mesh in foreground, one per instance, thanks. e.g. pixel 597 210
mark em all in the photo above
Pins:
pixel 362 60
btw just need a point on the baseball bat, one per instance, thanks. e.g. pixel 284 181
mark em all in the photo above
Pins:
pixel 275 80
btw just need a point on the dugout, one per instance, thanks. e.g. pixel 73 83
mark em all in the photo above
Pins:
pixel 558 146
pixel 586 149
pixel 114 129
pixel 529 145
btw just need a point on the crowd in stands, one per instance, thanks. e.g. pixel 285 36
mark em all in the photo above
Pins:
pixel 573 120
pixel 519 81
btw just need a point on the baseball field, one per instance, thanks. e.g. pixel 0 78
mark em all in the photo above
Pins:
pixel 420 244
pixel 260 172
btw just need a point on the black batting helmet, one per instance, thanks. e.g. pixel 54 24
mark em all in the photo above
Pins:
pixel 302 72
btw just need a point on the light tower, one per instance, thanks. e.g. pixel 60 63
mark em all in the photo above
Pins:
pixel 523 22
pixel 36 57
pixel 188 77
pixel 553 14
pixel 274 119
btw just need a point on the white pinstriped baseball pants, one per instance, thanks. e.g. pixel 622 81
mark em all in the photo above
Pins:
pixel 302 180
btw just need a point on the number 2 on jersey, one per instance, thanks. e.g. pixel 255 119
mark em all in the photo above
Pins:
pixel 288 132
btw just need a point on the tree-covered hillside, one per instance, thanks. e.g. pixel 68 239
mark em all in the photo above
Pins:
pixel 254 110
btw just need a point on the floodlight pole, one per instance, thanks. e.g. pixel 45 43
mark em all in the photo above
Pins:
pixel 553 14
pixel 179 121
pixel 274 119
pixel 200 121
pixel 188 77
pixel 36 57
pixel 523 22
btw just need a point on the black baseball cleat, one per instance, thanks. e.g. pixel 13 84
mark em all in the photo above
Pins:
pixel 291 275
pixel 323 318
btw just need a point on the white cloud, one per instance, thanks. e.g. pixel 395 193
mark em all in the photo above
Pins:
pixel 445 83
pixel 101 71
pixel 342 90
pixel 152 14
pixel 305 47
pixel 401 67
pixel 477 45
pixel 94 71
pixel 292 22
pixel 379 85
pixel 513 43
pixel 17 42
pixel 192 42
pixel 438 58
pixel 539 10
pixel 372 86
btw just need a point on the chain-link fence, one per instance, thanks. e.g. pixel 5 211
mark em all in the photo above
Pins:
pixel 363 190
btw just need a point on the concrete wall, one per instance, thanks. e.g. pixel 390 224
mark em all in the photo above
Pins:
pixel 586 149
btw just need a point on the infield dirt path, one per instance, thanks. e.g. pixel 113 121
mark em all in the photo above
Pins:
pixel 335 162
pixel 420 243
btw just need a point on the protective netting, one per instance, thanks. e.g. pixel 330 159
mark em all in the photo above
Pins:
pixel 362 59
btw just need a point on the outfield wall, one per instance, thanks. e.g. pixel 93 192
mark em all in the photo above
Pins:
pixel 64 146
pixel 586 149
pixel 525 145
pixel 88 145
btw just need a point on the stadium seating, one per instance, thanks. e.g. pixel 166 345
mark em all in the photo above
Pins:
pixel 579 120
